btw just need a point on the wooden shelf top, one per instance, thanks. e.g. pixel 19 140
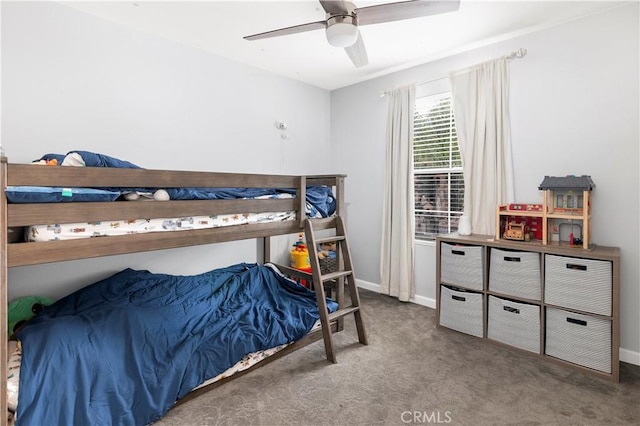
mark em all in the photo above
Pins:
pixel 595 251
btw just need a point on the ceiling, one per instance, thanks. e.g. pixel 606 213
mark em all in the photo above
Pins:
pixel 218 27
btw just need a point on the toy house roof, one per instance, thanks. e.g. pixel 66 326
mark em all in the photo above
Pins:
pixel 583 183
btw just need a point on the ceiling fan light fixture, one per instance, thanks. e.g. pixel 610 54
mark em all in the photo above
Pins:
pixel 342 31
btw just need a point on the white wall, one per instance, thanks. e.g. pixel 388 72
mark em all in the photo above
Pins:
pixel 574 110
pixel 74 81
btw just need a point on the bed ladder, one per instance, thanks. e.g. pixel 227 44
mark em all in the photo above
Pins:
pixel 339 277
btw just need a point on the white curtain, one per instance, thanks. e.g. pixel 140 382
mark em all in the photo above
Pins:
pixel 481 108
pixel 398 223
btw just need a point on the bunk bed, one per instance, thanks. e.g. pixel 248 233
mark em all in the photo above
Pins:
pixel 20 216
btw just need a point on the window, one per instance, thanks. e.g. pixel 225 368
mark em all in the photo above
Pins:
pixel 438 181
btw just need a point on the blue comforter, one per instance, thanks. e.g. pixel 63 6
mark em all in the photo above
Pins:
pixel 124 349
pixel 319 199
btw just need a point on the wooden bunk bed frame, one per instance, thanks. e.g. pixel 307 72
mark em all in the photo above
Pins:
pixel 32 253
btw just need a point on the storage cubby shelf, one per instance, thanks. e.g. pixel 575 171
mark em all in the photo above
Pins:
pixel 491 291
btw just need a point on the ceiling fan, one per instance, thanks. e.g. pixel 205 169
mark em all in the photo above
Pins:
pixel 343 18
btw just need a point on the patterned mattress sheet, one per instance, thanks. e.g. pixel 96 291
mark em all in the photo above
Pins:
pixel 249 360
pixel 72 231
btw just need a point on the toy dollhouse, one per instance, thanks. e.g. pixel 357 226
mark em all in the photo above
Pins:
pixel 568 209
pixel 565 213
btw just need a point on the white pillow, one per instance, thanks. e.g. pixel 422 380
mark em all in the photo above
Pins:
pixel 73 159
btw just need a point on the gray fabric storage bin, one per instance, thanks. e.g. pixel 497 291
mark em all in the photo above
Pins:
pixel 461 311
pixel 581 284
pixel 515 273
pixel 580 339
pixel 461 266
pixel 516 324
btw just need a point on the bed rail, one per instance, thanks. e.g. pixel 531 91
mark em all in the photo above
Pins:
pixel 29 174
pixel 30 214
pixel 23 254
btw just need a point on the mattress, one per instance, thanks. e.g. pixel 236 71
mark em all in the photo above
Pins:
pixel 71 231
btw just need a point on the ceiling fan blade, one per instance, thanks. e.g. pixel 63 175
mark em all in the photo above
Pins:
pixel 288 30
pixel 335 7
pixel 357 52
pixel 404 10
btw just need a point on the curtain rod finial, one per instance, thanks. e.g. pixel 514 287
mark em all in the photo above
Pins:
pixel 518 54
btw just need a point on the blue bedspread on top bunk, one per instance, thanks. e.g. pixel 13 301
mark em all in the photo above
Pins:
pixel 320 199
pixel 124 349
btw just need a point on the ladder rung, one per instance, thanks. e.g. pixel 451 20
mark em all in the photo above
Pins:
pixel 343 312
pixel 322 222
pixel 333 239
pixel 333 275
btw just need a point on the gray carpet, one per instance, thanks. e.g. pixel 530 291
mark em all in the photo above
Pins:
pixel 413 373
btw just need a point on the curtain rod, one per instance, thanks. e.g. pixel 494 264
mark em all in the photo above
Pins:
pixel 518 54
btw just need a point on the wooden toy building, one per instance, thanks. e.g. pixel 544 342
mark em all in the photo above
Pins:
pixel 565 213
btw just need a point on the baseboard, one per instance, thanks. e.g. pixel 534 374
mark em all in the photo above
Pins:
pixel 424 301
pixel 626 355
pixel 368 286
pixel 629 356
pixel 418 300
